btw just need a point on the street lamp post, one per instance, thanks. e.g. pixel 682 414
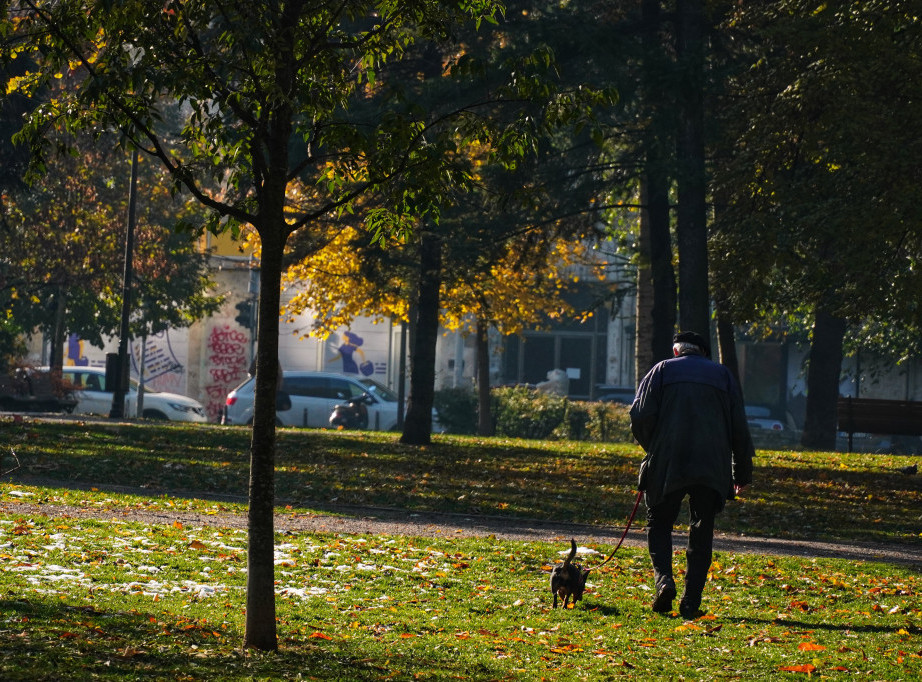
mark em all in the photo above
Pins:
pixel 121 384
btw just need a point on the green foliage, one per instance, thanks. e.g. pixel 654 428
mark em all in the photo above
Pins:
pixel 524 413
pixel 457 408
pixel 12 344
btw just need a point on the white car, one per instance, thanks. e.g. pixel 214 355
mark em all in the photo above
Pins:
pixel 313 396
pixel 759 417
pixel 92 396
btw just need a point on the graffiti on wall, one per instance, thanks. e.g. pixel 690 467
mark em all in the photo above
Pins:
pixel 162 369
pixel 227 366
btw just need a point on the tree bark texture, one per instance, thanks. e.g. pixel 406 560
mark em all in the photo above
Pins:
pixel 824 372
pixel 417 428
pixel 656 285
pixel 691 218
pixel 484 416
pixel 726 342
pixel 261 632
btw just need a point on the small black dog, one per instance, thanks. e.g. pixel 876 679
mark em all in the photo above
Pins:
pixel 568 579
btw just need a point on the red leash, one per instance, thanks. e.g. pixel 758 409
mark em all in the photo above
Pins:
pixel 626 529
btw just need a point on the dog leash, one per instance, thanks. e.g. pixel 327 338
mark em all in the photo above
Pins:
pixel 626 529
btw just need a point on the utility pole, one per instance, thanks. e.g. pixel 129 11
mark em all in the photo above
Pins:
pixel 121 383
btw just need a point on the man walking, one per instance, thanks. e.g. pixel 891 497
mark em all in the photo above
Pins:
pixel 689 417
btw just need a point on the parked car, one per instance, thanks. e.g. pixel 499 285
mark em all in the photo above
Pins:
pixel 313 395
pixel 94 397
pixel 759 417
pixel 34 390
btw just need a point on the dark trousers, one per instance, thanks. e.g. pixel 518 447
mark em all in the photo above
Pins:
pixel 704 503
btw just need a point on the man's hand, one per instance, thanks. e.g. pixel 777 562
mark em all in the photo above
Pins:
pixel 737 489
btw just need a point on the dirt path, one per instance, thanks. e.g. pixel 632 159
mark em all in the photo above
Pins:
pixel 387 521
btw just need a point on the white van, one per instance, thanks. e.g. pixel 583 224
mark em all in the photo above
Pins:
pixel 313 396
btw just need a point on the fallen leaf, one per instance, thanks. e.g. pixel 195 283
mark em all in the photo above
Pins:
pixel 810 646
pixel 806 668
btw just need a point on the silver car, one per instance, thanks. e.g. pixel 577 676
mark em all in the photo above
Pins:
pixel 94 397
pixel 313 396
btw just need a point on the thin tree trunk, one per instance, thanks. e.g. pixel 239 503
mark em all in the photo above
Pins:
pixel 824 372
pixel 417 428
pixel 484 417
pixel 691 218
pixel 726 341
pixel 56 360
pixel 261 632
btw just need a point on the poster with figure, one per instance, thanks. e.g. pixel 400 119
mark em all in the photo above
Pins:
pixel 74 354
pixel 349 352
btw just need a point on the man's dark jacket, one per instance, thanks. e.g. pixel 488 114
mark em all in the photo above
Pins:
pixel 689 417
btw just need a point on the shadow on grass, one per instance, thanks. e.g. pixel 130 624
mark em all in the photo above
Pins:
pixel 578 483
pixel 55 641
pixel 820 625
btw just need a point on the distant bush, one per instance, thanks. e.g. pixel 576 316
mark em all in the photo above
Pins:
pixel 599 422
pixel 457 408
pixel 525 413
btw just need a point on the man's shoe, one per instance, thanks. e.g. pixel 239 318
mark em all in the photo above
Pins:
pixel 689 613
pixel 664 597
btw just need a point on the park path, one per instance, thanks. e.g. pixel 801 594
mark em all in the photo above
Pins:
pixel 390 521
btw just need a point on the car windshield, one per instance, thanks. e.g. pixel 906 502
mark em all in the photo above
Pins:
pixel 377 390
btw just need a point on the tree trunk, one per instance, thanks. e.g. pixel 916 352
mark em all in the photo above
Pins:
pixel 56 356
pixel 417 428
pixel 726 342
pixel 824 372
pixel 260 613
pixel 656 286
pixel 691 218
pixel 484 416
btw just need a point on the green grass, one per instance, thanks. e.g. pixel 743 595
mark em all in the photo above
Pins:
pixel 103 600
pixel 797 495
pixel 106 599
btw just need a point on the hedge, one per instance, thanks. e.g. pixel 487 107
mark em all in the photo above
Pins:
pixel 525 413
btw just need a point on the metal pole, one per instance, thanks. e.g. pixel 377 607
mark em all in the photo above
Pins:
pixel 121 385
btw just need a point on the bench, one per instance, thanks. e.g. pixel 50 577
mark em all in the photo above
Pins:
pixel 887 417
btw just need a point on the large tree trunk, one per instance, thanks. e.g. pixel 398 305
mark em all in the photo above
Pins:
pixel 417 428
pixel 691 217
pixel 824 372
pixel 656 285
pixel 260 613
pixel 484 417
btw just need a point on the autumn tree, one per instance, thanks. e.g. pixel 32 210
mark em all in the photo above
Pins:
pixel 64 238
pixel 271 95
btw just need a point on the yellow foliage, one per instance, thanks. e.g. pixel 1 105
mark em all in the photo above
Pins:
pixel 332 284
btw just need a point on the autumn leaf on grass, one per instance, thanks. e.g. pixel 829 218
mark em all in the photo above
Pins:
pixel 319 635
pixel 806 668
pixel 810 646
pixel 197 544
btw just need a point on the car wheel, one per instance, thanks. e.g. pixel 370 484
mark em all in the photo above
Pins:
pixel 155 414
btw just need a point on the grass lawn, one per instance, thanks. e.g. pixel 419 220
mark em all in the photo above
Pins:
pixel 106 599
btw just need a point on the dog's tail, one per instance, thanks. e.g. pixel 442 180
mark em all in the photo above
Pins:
pixel 566 562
